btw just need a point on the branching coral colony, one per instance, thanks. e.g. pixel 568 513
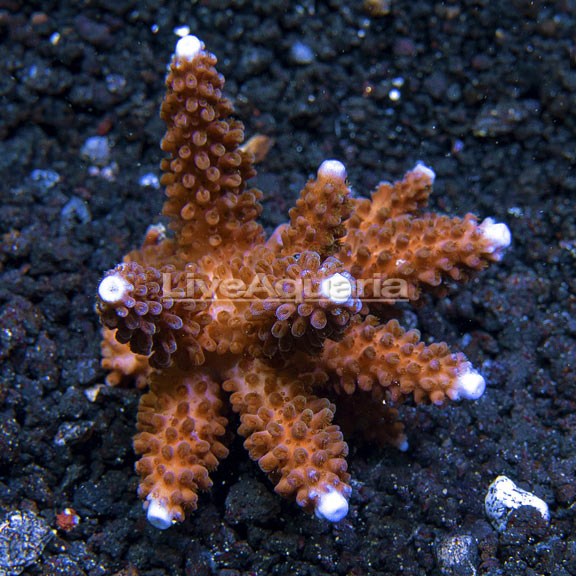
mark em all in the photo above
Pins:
pixel 216 313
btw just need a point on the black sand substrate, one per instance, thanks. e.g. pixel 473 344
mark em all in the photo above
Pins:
pixel 483 92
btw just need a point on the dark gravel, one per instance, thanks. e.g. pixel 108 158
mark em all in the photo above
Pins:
pixel 486 96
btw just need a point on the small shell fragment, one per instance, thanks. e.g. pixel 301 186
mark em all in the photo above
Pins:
pixel 259 145
pixel 504 497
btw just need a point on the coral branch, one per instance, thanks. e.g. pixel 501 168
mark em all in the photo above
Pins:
pixel 122 363
pixel 386 355
pixel 291 435
pixel 387 239
pixel 157 323
pixel 313 301
pixel 205 175
pixel 405 197
pixel 180 424
pixel 317 220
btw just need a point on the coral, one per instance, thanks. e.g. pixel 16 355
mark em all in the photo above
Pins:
pixel 180 430
pixel 283 329
pixel 385 355
pixel 290 433
pixel 121 362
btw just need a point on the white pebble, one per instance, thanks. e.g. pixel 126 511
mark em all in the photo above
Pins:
pixel 96 150
pixel 504 497
pixel 149 180
pixel 457 555
pixel 182 31
pixel 46 178
pixel 301 53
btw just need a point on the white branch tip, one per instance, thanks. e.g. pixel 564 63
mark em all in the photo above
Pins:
pixel 403 444
pixel 332 169
pixel 498 234
pixel 189 47
pixel 469 385
pixel 113 288
pixel 336 288
pixel 331 505
pixel 421 168
pixel 158 515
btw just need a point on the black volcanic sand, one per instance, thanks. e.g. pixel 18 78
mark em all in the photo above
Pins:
pixel 487 98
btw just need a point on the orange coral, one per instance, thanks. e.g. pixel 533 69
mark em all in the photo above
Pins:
pixel 388 237
pixel 290 433
pixel 216 313
pixel 121 362
pixel 181 426
pixel 317 220
pixel 206 173
pixel 385 355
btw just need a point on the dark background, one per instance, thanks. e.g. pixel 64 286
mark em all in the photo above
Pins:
pixel 487 99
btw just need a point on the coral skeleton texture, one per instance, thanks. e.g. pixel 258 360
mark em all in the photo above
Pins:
pixel 216 319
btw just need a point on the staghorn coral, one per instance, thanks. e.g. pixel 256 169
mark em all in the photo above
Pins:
pixel 217 314
pixel 385 355
pixel 121 362
pixel 180 427
pixel 290 433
